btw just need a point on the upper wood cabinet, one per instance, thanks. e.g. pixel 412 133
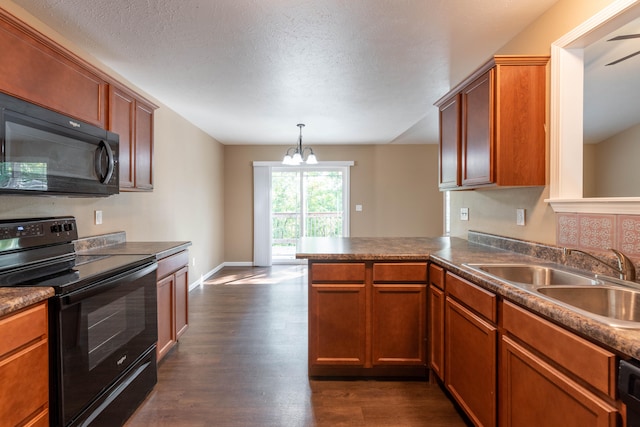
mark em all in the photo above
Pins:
pixel 132 119
pixel 449 158
pixel 38 70
pixel 492 126
pixel 44 73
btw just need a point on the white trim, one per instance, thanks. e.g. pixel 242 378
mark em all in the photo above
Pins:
pixel 203 278
pixel 604 205
pixel 238 264
pixel 318 165
pixel 566 142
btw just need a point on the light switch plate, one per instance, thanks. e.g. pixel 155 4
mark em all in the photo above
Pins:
pixel 98 217
pixel 520 216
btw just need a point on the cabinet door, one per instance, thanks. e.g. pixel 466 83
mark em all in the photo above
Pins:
pixel 144 146
pixel 470 362
pixel 436 331
pixel 166 323
pixel 534 394
pixel 24 367
pixel 182 301
pixel 450 144
pixel 399 324
pixel 477 131
pixel 36 69
pixel 337 324
pixel 122 122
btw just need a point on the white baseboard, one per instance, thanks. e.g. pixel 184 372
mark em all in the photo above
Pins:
pixel 238 264
pixel 203 278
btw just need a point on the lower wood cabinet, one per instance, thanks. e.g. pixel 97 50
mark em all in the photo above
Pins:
pixel 24 367
pixel 534 393
pixel 173 297
pixel 436 320
pixel 518 369
pixel 573 380
pixel 399 324
pixel 367 318
pixel 471 349
pixel 337 335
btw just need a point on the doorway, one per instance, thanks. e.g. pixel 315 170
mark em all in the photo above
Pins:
pixel 307 202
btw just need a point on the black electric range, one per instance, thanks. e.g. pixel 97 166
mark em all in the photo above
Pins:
pixel 102 320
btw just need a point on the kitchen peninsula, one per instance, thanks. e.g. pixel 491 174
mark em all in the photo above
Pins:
pixel 367 304
pixel 398 306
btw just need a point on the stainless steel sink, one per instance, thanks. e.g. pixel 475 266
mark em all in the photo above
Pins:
pixel 616 303
pixel 608 300
pixel 536 275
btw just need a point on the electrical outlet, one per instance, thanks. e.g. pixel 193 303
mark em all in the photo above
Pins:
pixel 358 208
pixel 98 217
pixel 193 262
pixel 520 216
pixel 464 214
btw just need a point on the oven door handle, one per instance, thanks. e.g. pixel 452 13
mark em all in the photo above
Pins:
pixel 110 283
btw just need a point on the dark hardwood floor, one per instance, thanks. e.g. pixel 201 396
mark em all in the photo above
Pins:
pixel 243 362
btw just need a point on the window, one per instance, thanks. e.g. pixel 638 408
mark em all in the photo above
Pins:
pixel 306 206
pixel 306 202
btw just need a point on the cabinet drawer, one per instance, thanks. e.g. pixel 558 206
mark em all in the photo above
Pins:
pixel 338 272
pixel 19 329
pixel 436 276
pixel 172 263
pixel 481 301
pixel 586 360
pixel 400 272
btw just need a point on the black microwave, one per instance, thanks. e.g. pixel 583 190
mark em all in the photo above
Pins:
pixel 44 152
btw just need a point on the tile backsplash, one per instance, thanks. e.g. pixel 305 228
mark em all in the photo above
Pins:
pixel 598 232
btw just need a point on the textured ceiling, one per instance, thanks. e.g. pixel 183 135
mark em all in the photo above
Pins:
pixel 247 71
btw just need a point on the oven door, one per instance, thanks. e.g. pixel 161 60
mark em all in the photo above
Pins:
pixel 101 330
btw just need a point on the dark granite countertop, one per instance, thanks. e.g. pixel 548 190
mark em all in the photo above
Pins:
pixel 158 249
pixel 373 248
pixel 14 299
pixel 453 253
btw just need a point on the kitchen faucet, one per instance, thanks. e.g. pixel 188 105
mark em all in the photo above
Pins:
pixel 625 267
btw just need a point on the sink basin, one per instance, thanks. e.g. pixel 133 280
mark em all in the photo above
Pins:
pixel 536 275
pixel 611 302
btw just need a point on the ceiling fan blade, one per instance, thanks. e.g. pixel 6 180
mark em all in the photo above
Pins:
pixel 623 58
pixel 625 37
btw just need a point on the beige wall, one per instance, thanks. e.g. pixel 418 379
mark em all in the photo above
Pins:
pixel 589 170
pixel 616 172
pixel 187 200
pixel 395 184
pixel 494 211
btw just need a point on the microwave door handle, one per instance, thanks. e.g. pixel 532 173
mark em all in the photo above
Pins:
pixel 103 148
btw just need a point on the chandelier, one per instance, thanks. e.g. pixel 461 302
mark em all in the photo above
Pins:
pixel 295 155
